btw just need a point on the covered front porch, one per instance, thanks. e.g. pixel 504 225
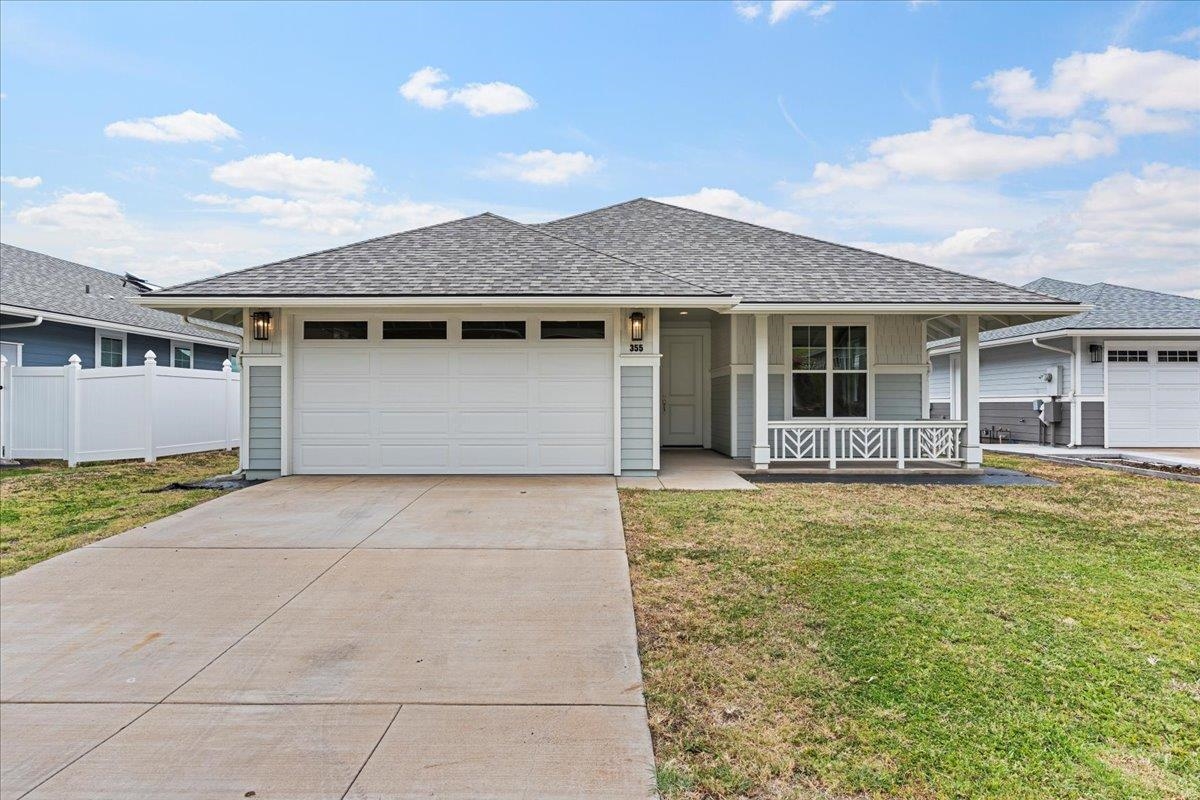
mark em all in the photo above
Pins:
pixel 806 391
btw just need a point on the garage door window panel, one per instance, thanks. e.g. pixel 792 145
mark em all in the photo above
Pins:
pixel 572 329
pixel 1128 356
pixel 337 330
pixel 1178 356
pixel 490 330
pixel 414 329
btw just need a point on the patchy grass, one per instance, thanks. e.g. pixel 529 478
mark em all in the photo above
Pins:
pixel 830 641
pixel 47 509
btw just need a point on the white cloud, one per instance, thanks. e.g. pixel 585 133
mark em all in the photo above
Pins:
pixel 1128 120
pixel 22 183
pixel 545 167
pixel 782 9
pixel 93 212
pixel 747 9
pixel 297 177
pixel 1190 35
pixel 188 126
pixel 334 216
pixel 953 149
pixel 424 87
pixel 728 203
pixel 1154 80
pixel 1140 230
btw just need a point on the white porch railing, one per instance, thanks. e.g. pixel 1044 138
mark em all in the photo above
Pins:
pixel 834 441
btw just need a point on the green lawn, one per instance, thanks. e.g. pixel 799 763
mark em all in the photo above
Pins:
pixel 834 641
pixel 47 509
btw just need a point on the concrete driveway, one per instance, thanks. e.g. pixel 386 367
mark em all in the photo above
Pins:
pixel 330 637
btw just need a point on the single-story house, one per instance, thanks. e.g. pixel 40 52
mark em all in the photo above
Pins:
pixel 1125 373
pixel 51 309
pixel 585 344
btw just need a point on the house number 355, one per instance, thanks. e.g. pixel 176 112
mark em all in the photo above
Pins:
pixel 636 347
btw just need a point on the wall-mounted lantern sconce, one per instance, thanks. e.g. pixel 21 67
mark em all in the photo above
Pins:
pixel 262 325
pixel 1097 353
pixel 637 326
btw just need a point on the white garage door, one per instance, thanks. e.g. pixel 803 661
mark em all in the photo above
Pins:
pixel 452 405
pixel 1153 396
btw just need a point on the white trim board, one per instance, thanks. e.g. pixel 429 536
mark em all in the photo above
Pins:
pixel 88 322
pixel 1087 333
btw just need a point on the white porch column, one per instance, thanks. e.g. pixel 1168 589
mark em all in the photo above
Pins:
pixel 1076 391
pixel 968 388
pixel 761 453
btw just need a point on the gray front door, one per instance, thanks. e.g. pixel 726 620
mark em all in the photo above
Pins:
pixel 682 389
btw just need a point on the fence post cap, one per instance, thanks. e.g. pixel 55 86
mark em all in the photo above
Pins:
pixel 3 361
pixel 74 360
pixel 150 357
pixel 226 365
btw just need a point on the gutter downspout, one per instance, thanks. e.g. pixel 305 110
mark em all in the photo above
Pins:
pixel 1074 383
pixel 31 324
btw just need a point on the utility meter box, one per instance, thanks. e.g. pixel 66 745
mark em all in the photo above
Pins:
pixel 1051 379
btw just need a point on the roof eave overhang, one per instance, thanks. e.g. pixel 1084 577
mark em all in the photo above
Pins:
pixel 1093 333
pixel 93 322
pixel 1032 310
pixel 178 302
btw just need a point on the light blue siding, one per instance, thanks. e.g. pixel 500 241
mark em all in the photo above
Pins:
pixel 939 378
pixel 898 396
pixel 637 418
pixel 720 414
pixel 745 409
pixel 266 396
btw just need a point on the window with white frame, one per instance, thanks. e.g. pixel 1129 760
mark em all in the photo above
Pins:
pixel 110 349
pixel 829 371
pixel 181 354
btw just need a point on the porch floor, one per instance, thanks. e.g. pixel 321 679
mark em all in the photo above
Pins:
pixel 691 468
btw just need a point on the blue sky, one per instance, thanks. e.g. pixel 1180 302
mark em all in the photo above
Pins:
pixel 1008 140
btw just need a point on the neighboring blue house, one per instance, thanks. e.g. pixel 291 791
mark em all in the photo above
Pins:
pixel 51 309
pixel 1125 373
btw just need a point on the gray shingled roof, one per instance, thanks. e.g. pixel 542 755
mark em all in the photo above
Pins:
pixel 762 265
pixel 480 255
pixel 642 247
pixel 39 282
pixel 1113 308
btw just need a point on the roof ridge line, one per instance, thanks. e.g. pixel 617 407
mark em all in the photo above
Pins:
pixel 845 246
pixel 325 250
pixel 622 259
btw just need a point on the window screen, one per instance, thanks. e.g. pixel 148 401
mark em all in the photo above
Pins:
pixel 335 329
pixel 414 329
pixel 492 329
pixel 573 329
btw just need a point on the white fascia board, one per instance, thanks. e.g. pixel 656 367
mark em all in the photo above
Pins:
pixel 1046 310
pixel 1091 333
pixel 89 322
pixel 592 301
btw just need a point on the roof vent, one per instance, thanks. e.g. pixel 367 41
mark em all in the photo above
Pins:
pixel 87 289
pixel 140 285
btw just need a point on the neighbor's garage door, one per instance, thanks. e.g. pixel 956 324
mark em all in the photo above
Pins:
pixel 420 406
pixel 1153 396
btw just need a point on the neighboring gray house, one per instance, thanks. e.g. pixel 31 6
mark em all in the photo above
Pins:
pixel 1126 373
pixel 51 309
pixel 587 343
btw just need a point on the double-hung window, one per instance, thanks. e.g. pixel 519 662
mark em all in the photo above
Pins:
pixel 111 351
pixel 829 371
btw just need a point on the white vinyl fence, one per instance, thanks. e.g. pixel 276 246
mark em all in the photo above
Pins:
pixel 112 413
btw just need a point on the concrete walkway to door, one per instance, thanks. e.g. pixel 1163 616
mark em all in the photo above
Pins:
pixel 330 637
